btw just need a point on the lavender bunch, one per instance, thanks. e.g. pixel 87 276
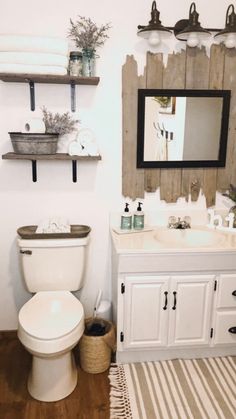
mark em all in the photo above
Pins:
pixel 232 193
pixel 86 34
pixel 58 123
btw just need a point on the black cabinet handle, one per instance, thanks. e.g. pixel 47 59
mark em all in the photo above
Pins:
pixel 26 252
pixel 175 300
pixel 166 300
pixel 232 330
pixel 234 293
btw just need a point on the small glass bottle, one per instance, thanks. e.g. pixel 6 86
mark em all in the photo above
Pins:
pixel 126 219
pixel 139 218
pixel 76 63
pixel 88 62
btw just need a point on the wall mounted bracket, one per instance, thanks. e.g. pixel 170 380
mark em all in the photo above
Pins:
pixel 32 96
pixel 72 96
pixel 34 170
pixel 49 79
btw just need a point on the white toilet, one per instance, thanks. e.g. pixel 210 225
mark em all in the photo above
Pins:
pixel 52 321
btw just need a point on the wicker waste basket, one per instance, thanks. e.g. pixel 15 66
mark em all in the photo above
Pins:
pixel 95 351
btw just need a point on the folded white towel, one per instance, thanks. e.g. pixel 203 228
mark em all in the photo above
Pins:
pixel 37 58
pixel 53 45
pixel 54 225
pixel 32 69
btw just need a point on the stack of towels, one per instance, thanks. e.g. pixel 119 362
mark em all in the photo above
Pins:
pixel 33 55
pixel 54 225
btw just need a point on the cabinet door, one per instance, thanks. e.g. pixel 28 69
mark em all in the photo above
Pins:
pixel 227 291
pixel 145 311
pixel 190 310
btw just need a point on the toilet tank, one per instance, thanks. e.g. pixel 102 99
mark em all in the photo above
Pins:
pixel 53 264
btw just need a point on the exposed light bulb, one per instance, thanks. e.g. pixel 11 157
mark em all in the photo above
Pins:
pixel 192 40
pixel 230 41
pixel 154 38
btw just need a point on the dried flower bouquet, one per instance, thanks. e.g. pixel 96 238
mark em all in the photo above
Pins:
pixel 86 34
pixel 58 123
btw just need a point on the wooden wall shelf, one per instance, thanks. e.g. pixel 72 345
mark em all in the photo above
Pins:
pixel 43 78
pixel 58 156
pixel 49 79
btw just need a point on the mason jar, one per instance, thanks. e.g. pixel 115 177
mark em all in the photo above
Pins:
pixel 89 62
pixel 76 63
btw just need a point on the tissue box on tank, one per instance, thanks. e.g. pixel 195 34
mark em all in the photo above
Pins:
pixel 33 143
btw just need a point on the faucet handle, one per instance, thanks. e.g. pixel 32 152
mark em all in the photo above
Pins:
pixel 171 221
pixel 187 220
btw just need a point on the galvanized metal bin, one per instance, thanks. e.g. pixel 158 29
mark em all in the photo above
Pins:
pixel 30 143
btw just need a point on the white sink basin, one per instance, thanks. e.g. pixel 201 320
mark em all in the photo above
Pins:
pixel 192 237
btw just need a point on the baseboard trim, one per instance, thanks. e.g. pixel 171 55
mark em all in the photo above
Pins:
pixel 123 357
pixel 8 334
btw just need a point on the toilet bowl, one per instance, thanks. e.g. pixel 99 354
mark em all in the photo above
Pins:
pixel 50 325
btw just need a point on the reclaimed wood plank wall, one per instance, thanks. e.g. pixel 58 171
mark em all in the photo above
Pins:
pixel 190 69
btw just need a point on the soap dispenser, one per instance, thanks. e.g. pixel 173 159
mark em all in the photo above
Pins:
pixel 126 219
pixel 139 218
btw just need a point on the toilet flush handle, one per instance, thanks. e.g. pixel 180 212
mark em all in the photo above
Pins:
pixel 26 252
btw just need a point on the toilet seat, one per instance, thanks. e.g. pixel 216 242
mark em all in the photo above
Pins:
pixel 50 315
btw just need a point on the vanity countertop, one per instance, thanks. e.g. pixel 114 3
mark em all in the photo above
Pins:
pixel 160 239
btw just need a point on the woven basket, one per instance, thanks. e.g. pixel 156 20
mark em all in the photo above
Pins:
pixel 95 351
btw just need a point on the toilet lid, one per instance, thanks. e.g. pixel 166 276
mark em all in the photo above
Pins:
pixel 50 315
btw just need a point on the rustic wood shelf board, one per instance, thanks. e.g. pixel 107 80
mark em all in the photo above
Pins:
pixel 58 156
pixel 50 79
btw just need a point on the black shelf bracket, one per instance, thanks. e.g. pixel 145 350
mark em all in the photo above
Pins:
pixel 72 96
pixel 34 158
pixel 74 171
pixel 32 96
pixel 34 170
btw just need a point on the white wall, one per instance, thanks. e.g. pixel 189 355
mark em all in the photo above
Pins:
pixel 98 190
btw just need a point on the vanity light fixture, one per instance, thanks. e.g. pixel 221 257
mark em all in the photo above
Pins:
pixel 228 34
pixel 154 31
pixel 190 30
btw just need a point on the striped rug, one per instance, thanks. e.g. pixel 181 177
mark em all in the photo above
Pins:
pixel 178 389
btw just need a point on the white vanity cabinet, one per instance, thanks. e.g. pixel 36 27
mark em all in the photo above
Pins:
pixel 173 304
pixel 161 311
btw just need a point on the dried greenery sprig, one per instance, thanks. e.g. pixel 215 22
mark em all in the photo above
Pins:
pixel 58 123
pixel 164 101
pixel 232 193
pixel 86 34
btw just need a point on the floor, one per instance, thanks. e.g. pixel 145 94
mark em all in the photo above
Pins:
pixel 89 400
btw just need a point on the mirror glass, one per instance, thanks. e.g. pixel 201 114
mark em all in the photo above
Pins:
pixel 182 128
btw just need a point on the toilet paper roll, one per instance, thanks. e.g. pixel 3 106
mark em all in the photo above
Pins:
pixel 35 125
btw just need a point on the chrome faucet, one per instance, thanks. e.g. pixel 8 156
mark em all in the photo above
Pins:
pixel 177 223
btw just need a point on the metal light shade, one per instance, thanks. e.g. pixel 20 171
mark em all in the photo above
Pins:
pixel 154 25
pixel 185 28
pixel 230 25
